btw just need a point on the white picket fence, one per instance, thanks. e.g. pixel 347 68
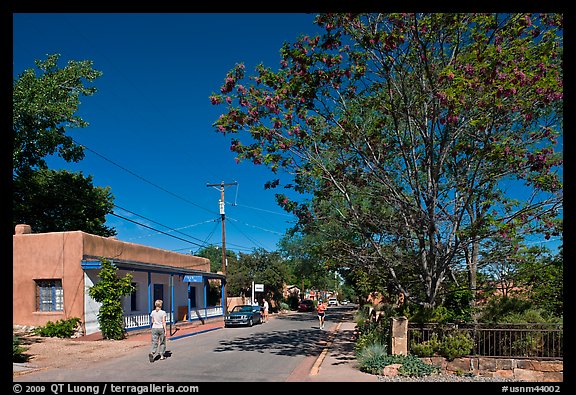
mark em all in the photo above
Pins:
pixel 132 321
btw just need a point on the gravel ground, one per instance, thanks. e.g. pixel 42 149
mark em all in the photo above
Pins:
pixel 444 378
pixel 53 352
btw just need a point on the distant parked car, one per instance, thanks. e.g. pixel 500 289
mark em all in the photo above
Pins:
pixel 306 305
pixel 244 314
pixel 332 302
pixel 344 302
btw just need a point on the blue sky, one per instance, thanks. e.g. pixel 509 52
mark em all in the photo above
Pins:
pixel 150 135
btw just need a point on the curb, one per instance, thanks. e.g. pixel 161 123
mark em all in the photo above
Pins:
pixel 316 367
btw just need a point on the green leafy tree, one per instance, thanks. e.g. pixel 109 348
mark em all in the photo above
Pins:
pixel 262 267
pixel 541 279
pixel 302 255
pixel 44 107
pixel 214 253
pixel 426 119
pixel 109 291
pixel 49 201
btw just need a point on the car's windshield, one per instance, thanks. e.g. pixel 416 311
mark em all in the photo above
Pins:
pixel 242 309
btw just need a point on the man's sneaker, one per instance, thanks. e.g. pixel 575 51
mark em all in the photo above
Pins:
pixel 151 357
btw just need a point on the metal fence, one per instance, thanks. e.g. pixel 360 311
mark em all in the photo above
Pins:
pixel 529 340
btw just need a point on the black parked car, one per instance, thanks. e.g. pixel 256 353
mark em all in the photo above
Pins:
pixel 244 314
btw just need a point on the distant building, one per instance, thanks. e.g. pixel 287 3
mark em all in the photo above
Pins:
pixel 52 273
pixel 290 290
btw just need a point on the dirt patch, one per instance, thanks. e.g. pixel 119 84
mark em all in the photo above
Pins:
pixel 52 352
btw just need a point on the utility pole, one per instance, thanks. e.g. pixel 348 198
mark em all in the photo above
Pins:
pixel 223 185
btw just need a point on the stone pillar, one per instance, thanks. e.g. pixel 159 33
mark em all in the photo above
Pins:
pixel 399 336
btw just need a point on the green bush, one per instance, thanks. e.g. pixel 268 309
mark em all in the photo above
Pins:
pixel 369 333
pixel 109 291
pixel 374 358
pixel 60 328
pixel 111 320
pixel 427 348
pixel 18 351
pixel 456 345
pixel 414 367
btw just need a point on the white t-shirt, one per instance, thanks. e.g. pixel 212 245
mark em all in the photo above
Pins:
pixel 157 318
pixel 265 305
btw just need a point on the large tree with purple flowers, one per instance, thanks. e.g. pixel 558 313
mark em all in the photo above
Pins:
pixel 417 136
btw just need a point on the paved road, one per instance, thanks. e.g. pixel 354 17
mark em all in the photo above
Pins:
pixel 267 352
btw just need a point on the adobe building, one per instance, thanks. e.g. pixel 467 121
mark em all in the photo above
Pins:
pixel 52 273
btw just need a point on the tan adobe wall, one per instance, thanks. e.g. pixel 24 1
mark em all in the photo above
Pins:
pixel 58 255
pixel 99 246
pixel 42 257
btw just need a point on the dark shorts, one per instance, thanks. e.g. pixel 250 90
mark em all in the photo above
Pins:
pixel 320 314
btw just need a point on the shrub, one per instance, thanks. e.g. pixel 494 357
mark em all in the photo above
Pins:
pixel 370 333
pixel 414 367
pixel 109 291
pixel 373 359
pixel 456 345
pixel 60 328
pixel 427 348
pixel 18 351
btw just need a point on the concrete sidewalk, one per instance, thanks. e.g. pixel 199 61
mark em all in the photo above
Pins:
pixel 336 362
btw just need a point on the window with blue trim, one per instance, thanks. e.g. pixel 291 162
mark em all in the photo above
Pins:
pixel 49 295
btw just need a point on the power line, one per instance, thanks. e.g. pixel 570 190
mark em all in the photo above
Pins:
pixel 156 230
pixel 211 232
pixel 260 209
pixel 257 227
pixel 182 198
pixel 142 178
pixel 157 223
pixel 245 235
pixel 183 227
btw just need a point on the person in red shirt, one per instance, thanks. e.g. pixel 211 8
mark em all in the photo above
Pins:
pixel 321 313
